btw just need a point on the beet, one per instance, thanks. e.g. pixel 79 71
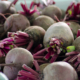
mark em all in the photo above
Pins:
pixel 36 33
pixel 59 71
pixel 16 22
pixel 44 21
pixel 52 10
pixel 61 31
pixel 14 60
pixel 4 5
pixel 76 43
pixel 74 27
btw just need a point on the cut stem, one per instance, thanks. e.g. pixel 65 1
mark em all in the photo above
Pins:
pixel 30 45
pixel 11 64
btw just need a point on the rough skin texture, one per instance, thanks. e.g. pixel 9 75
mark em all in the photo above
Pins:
pixel 36 33
pixel 61 31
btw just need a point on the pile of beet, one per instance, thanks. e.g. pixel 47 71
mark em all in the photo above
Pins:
pixel 41 42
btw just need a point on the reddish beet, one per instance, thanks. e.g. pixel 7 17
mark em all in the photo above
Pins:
pixel 14 61
pixel 51 11
pixel 74 27
pixel 7 7
pixel 44 21
pixel 59 71
pixel 29 37
pixel 16 22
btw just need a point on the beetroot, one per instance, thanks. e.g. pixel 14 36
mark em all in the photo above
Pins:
pixel 15 59
pixel 74 27
pixel 44 21
pixel 30 13
pixel 29 37
pixel 59 71
pixel 4 7
pixel 59 30
pixel 76 43
pixel 52 10
pixel 55 41
pixel 16 22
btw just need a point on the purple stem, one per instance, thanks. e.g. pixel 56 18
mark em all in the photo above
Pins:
pixel 53 58
pixel 36 65
pixel 47 56
pixel 68 58
pixel 78 33
pixel 30 45
pixel 40 52
pixel 30 70
pixel 76 64
pixel 38 48
pixel 72 53
pixel 38 57
pixel 24 73
pixel 73 59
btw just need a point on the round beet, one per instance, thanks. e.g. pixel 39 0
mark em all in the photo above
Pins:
pixel 16 22
pixel 4 5
pixel 52 10
pixel 44 21
pixel 14 60
pixel 76 43
pixel 36 33
pixel 60 31
pixel 59 71
pixel 74 27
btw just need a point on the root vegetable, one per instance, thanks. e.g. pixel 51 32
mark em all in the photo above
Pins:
pixel 52 10
pixel 61 31
pixel 7 7
pixel 44 21
pixel 59 71
pixel 16 22
pixel 76 43
pixel 14 61
pixel 74 27
pixel 57 37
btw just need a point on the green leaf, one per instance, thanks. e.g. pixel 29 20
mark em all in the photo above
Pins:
pixel 70 12
pixel 48 46
pixel 70 48
pixel 11 46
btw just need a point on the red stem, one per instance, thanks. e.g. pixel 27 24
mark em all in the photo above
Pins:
pixel 30 45
pixel 78 33
pixel 38 57
pixel 36 65
pixel 30 70
pixel 24 73
pixel 53 58
pixel 40 52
